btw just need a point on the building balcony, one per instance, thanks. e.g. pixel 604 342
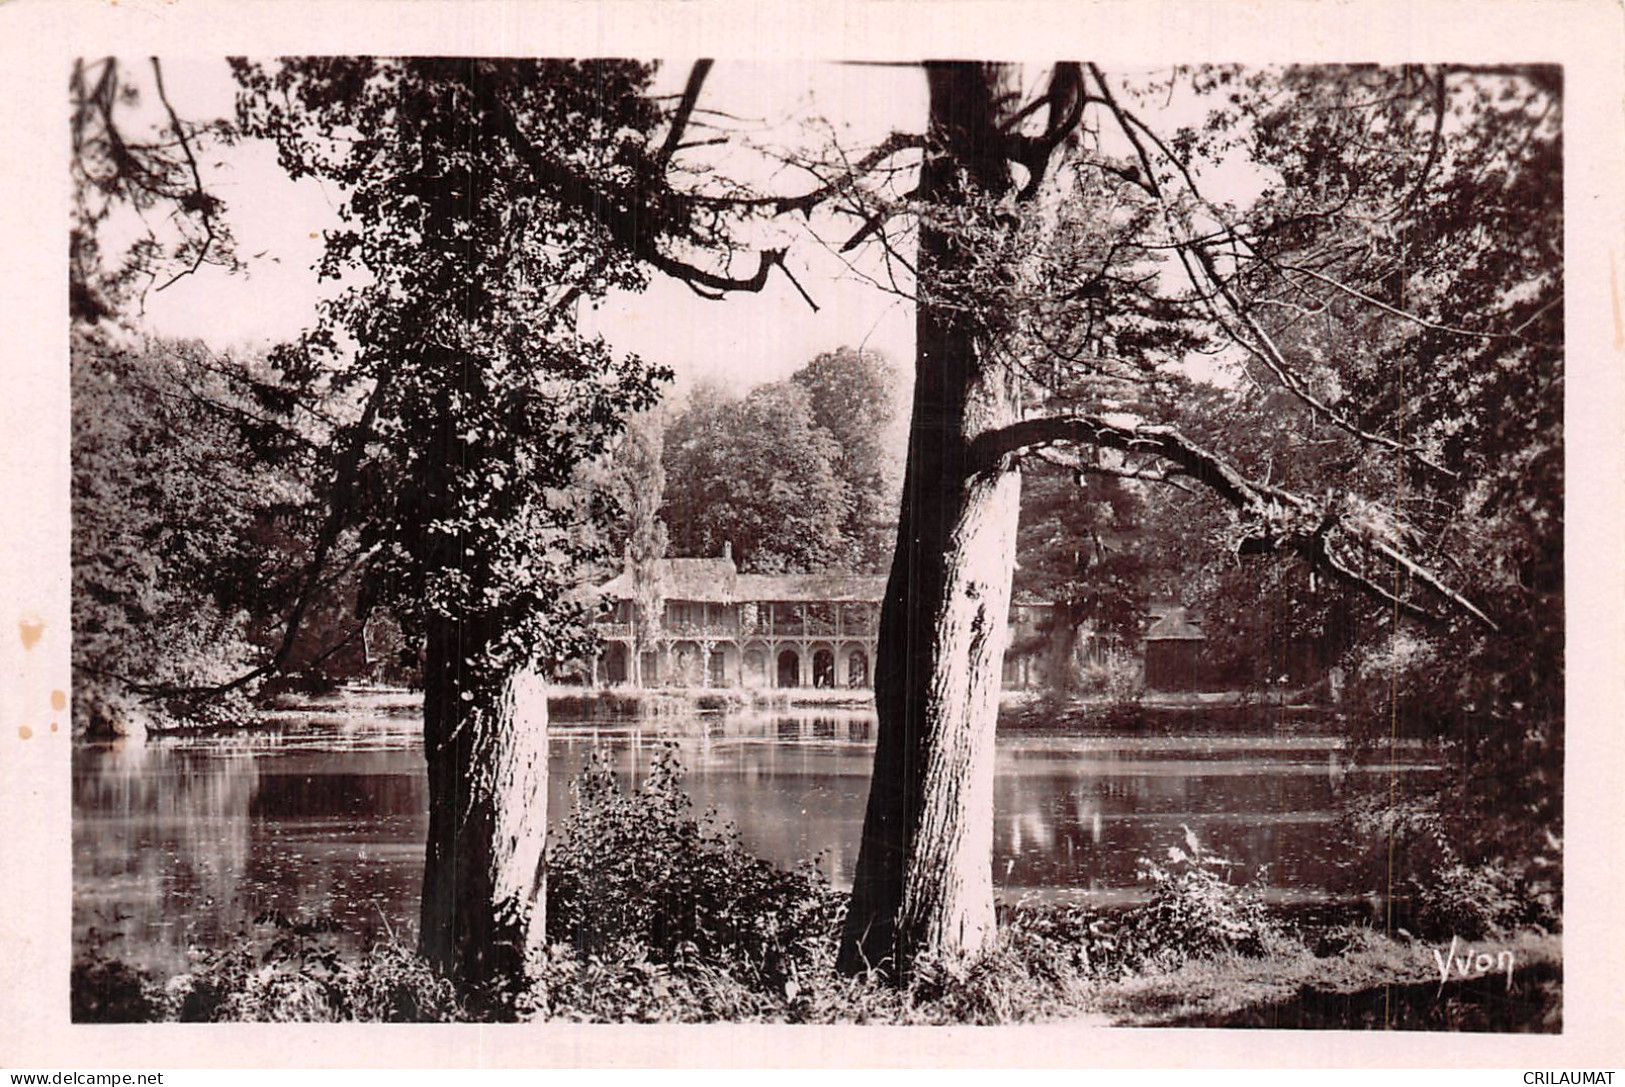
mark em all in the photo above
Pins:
pixel 737 628
pixel 721 629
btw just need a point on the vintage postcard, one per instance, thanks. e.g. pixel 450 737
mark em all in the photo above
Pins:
pixel 711 534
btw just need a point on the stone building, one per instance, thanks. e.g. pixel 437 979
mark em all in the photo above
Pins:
pixel 1024 656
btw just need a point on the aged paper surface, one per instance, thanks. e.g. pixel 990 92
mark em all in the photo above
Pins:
pixel 40 41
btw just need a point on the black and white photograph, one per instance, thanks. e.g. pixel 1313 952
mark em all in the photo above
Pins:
pixel 623 538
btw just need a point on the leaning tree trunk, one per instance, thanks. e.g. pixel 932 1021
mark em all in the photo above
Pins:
pixel 485 737
pixel 923 882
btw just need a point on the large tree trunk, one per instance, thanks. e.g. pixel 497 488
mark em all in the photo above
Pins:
pixel 923 882
pixel 485 738
pixel 1061 668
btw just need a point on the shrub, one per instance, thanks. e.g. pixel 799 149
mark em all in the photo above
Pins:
pixel 1195 910
pixel 1406 847
pixel 286 971
pixel 1003 985
pixel 1059 939
pixel 394 984
pixel 637 987
pixel 636 874
pixel 102 990
pixel 1389 841
pixel 1470 901
pixel 1115 674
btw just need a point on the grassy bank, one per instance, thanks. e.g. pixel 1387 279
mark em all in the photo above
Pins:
pixel 1374 983
pixel 348 704
pixel 1377 983
pixel 1174 715
pixel 1019 711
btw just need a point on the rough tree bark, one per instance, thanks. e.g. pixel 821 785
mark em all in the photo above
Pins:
pixel 485 742
pixel 923 881
pixel 484 881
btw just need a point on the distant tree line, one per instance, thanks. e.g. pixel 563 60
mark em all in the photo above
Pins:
pixel 797 475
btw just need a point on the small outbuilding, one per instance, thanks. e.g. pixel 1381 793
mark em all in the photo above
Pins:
pixel 1173 651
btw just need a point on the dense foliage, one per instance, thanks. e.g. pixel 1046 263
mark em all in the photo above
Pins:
pixel 190 512
pixel 285 971
pixel 471 398
pixel 798 476
pixel 1081 549
pixel 854 396
pixel 1407 260
pixel 758 474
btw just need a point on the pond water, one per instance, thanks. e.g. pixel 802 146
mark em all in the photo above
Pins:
pixel 181 842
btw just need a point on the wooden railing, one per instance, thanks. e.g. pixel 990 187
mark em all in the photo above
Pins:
pixel 733 626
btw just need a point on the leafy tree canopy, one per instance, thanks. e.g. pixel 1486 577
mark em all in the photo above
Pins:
pixel 756 474
pixel 800 475
pixel 471 232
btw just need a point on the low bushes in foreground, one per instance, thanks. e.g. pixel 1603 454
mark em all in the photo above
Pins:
pixel 281 971
pixel 635 876
pixel 1411 846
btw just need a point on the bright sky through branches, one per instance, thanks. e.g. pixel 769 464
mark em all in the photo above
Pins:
pixel 758 115
pixel 740 342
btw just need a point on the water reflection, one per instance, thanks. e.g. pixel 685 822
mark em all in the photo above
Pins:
pixel 177 846
pixel 180 843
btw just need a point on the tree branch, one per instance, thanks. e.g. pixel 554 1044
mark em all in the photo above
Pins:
pixel 685 110
pixel 1066 100
pixel 1259 343
pixel 621 212
pixel 200 198
pixel 1262 347
pixel 349 464
pixel 1077 464
pixel 1377 303
pixel 1435 145
pixel 1280 520
pixel 895 143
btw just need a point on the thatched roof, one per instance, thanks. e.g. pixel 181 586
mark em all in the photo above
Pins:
pixel 718 581
pixel 709 580
pixel 827 586
pixel 1175 626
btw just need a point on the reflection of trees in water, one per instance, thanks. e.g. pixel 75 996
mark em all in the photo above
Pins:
pixel 161 847
pixel 341 845
pixel 1087 823
pixel 1049 826
pixel 176 846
